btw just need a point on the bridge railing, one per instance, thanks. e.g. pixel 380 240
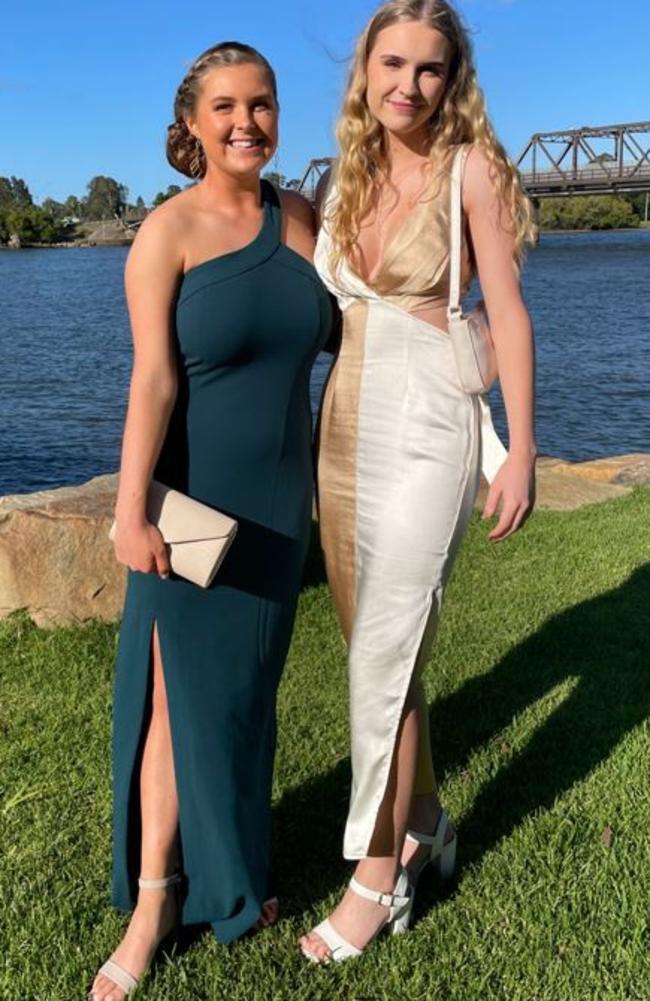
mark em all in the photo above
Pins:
pixel 604 173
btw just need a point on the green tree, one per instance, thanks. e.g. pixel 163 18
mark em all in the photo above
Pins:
pixel 27 224
pixel 638 203
pixel 106 198
pixel 587 212
pixel 73 207
pixel 53 208
pixel 14 191
pixel 162 196
pixel 6 193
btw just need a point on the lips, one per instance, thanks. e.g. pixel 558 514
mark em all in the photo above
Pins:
pixel 404 106
pixel 245 144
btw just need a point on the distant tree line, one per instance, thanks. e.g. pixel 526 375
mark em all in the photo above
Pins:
pixel 22 221
pixel 592 212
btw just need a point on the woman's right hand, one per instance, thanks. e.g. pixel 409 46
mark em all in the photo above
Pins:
pixel 140 546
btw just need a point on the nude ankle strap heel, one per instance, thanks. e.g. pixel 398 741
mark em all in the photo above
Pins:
pixel 112 970
pixel 159 884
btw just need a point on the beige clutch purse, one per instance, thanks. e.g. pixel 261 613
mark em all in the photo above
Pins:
pixel 474 353
pixel 198 536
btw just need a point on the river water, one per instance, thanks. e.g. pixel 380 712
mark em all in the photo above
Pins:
pixel 65 355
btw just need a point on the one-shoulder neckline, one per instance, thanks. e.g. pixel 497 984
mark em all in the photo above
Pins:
pixel 267 202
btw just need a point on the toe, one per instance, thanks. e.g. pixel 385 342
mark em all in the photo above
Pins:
pixel 105 990
pixel 314 945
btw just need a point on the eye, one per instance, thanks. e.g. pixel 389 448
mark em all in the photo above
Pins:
pixel 222 107
pixel 392 62
pixel 263 104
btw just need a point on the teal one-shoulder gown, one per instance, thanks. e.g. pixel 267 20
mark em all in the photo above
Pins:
pixel 249 325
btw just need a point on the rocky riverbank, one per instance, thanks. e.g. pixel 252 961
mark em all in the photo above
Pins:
pixel 57 563
pixel 107 233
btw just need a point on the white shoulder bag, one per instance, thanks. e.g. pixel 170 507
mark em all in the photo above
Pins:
pixel 476 360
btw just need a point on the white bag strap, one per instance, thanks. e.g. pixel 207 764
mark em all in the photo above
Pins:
pixel 455 230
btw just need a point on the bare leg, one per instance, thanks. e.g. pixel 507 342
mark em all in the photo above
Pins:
pixel 355 918
pixel 155 912
pixel 425 804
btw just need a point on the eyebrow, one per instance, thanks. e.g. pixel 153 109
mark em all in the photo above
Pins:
pixel 228 97
pixel 435 63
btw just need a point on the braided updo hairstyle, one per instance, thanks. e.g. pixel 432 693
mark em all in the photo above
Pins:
pixel 184 152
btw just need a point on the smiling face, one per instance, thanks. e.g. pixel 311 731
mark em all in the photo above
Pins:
pixel 236 119
pixel 407 74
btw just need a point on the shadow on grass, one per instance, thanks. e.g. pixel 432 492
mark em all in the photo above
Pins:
pixel 308 834
pixel 603 645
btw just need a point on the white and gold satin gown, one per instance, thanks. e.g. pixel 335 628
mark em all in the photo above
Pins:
pixel 401 449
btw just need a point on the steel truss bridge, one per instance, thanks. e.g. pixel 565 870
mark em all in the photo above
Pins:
pixel 557 164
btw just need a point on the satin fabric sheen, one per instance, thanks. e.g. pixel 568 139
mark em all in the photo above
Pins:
pixel 399 463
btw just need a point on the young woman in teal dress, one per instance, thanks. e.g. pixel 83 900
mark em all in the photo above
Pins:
pixel 228 316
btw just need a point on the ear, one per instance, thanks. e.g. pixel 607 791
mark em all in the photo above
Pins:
pixel 191 126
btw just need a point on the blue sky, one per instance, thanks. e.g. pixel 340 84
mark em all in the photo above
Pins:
pixel 87 88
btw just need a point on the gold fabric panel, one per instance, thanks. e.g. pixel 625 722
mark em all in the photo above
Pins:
pixel 337 465
pixel 414 273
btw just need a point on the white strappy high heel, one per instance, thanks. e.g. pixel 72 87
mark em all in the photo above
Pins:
pixel 112 970
pixel 442 856
pixel 399 904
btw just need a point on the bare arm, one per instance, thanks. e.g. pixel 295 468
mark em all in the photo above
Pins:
pixel 298 224
pixel 511 328
pixel 152 274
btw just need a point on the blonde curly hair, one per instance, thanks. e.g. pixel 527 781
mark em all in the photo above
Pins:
pixel 459 118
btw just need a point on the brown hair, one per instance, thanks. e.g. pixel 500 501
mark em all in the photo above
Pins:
pixel 460 118
pixel 184 152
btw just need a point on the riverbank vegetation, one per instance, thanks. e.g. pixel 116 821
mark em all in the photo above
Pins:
pixel 539 706
pixel 590 212
pixel 24 223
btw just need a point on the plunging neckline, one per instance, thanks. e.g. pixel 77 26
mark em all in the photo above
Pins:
pixel 370 280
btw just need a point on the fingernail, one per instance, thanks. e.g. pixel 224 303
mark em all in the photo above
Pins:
pixel 164 576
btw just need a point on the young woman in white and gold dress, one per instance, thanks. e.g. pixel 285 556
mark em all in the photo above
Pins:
pixel 401 444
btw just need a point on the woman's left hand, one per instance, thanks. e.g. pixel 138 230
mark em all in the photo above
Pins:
pixel 514 488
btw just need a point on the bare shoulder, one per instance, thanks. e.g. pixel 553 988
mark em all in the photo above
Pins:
pixel 480 180
pixel 162 236
pixel 298 224
pixel 170 217
pixel 297 207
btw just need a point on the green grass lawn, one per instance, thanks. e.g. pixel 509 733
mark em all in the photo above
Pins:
pixel 540 697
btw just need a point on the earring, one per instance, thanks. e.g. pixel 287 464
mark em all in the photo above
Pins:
pixel 195 160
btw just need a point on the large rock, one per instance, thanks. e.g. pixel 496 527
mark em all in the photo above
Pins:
pixel 565 486
pixel 56 560
pixel 629 470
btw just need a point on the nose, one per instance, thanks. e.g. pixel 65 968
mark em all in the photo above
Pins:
pixel 408 83
pixel 244 117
